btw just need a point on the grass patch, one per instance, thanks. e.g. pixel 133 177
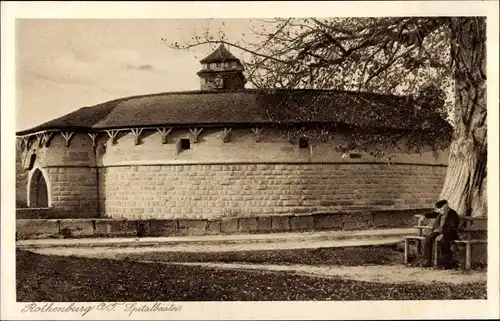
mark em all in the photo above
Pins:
pixel 66 279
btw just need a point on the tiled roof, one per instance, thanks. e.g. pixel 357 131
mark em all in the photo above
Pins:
pixel 221 54
pixel 248 107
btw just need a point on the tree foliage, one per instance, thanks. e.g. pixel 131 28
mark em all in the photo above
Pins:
pixel 439 62
pixel 385 55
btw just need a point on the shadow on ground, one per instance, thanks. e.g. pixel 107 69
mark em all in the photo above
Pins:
pixel 391 254
pixel 346 256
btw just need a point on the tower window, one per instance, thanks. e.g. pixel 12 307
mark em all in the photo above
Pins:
pixel 219 83
pixel 185 143
pixel 303 142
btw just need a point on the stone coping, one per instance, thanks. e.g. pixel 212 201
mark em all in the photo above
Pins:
pixel 107 227
pixel 285 239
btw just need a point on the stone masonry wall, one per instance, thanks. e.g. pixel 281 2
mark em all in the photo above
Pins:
pixel 70 175
pixel 239 177
pixel 211 191
pixel 74 191
pixel 242 147
pixel 21 181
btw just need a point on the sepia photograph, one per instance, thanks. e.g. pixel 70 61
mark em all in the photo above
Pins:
pixel 290 158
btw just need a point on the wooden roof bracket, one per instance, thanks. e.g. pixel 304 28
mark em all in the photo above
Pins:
pixel 164 134
pixel 48 138
pixel 195 133
pixel 225 135
pixel 22 142
pixel 39 136
pixel 112 134
pixel 93 136
pixel 137 135
pixel 67 137
pixel 29 142
pixel 258 133
pixel 44 138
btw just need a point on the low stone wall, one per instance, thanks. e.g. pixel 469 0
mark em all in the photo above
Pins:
pixel 44 213
pixel 74 228
pixel 35 213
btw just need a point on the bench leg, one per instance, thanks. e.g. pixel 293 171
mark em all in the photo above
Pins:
pixel 436 252
pixel 468 259
pixel 407 250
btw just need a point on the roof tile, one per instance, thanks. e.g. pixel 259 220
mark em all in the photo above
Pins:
pixel 221 54
pixel 248 106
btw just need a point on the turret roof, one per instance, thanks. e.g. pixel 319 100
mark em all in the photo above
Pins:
pixel 221 54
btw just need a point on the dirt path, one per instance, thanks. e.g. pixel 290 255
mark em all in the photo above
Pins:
pixel 373 273
pixel 110 251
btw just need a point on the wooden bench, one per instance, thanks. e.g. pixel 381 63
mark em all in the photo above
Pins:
pixel 467 228
pixel 419 237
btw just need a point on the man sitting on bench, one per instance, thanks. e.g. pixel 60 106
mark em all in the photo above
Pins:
pixel 446 224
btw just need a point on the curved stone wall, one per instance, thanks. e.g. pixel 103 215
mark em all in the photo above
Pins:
pixel 210 191
pixel 242 147
pixel 146 177
pixel 70 175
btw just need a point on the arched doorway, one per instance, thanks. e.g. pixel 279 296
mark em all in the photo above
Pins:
pixel 38 196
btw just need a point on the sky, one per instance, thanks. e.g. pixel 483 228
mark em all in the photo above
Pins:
pixel 66 64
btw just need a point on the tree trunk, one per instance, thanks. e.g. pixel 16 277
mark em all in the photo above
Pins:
pixel 465 182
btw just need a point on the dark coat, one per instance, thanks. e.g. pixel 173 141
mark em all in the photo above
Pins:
pixel 450 224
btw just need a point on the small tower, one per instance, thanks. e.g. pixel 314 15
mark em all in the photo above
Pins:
pixel 221 70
